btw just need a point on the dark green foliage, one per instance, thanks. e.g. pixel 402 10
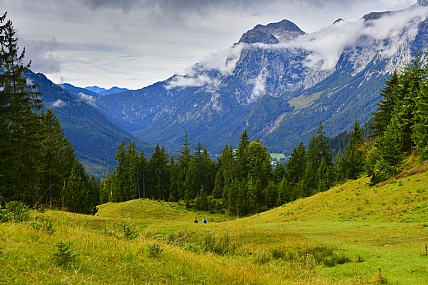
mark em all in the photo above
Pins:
pixel 20 124
pixel 78 195
pixel 43 223
pixel 400 124
pixel 154 250
pixel 296 165
pixel 58 159
pixel 14 211
pixel 318 172
pixel 128 230
pixel 64 254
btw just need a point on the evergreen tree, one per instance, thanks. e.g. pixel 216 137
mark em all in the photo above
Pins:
pixel 158 183
pixel 354 153
pixel 20 124
pixel 241 156
pixel 420 127
pixel 390 94
pixel 296 165
pixel 319 165
pixel 77 193
pixel 58 158
pixel 283 193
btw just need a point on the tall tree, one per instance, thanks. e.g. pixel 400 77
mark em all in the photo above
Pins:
pixel 296 165
pixel 20 124
pixel 390 94
pixel 319 165
pixel 354 153
pixel 58 158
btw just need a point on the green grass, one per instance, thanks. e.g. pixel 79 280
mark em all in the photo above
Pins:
pixel 351 234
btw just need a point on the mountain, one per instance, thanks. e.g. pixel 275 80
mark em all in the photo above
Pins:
pixel 94 136
pixel 113 90
pixel 77 90
pixel 103 91
pixel 278 82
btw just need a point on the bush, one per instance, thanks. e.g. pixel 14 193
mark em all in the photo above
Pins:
pixel 129 230
pixel 14 211
pixel 64 254
pixel 154 250
pixel 43 223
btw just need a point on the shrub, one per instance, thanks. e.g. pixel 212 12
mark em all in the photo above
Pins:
pixel 64 254
pixel 129 230
pixel 154 250
pixel 43 223
pixel 14 211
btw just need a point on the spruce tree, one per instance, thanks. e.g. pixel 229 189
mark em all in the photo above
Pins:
pixel 58 158
pixel 296 165
pixel 20 124
pixel 354 153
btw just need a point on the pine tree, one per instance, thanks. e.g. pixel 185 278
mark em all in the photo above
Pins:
pixel 58 158
pixel 296 165
pixel 77 192
pixel 420 127
pixel 20 124
pixel 241 158
pixel 390 94
pixel 319 165
pixel 158 181
pixel 354 153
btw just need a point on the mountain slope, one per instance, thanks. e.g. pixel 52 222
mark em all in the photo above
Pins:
pixel 277 82
pixel 94 136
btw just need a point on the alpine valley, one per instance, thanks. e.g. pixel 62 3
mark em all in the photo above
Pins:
pixel 277 82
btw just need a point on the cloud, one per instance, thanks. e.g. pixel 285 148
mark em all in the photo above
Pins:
pixel 58 104
pixel 223 61
pixel 41 53
pixel 87 98
pixel 186 81
pixel 326 46
pixel 259 86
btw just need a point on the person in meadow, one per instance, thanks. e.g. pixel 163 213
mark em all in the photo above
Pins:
pixel 205 221
pixel 195 221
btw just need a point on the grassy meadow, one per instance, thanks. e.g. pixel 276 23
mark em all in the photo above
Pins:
pixel 352 234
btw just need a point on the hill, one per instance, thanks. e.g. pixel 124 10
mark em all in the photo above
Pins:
pixel 351 234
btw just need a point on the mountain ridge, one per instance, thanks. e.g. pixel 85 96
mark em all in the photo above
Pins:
pixel 333 75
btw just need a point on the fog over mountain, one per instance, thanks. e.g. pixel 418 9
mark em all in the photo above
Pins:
pixel 278 82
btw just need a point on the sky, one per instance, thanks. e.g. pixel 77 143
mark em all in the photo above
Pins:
pixel 135 43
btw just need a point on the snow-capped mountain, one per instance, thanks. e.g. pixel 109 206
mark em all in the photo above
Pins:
pixel 278 82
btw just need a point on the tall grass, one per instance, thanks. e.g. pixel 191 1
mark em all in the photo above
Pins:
pixel 351 234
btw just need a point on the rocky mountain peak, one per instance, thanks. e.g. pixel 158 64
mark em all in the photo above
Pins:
pixel 272 33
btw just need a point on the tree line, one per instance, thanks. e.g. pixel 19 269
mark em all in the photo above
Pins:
pixel 38 164
pixel 241 181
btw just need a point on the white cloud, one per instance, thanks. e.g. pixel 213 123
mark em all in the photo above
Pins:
pixel 132 43
pixel 259 86
pixel 195 81
pixel 224 61
pixel 327 45
pixel 58 104
pixel 87 98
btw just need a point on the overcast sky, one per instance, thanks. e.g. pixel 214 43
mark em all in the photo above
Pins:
pixel 135 43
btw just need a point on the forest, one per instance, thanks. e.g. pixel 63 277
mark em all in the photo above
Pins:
pixel 40 169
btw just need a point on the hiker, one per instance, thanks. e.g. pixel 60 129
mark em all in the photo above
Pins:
pixel 195 221
pixel 205 221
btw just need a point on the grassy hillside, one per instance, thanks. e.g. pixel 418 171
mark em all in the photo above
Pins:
pixel 351 234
